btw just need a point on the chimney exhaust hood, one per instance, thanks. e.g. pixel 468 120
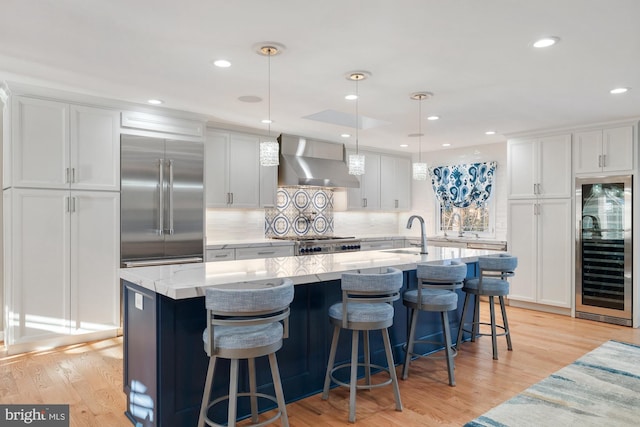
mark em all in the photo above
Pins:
pixel 305 161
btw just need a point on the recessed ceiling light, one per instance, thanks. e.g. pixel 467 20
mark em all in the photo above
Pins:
pixel 346 135
pixel 490 132
pixel 546 42
pixel 155 101
pixel 266 121
pixel 619 90
pixel 446 144
pixel 404 145
pixel 433 118
pixel 222 63
pixel 351 97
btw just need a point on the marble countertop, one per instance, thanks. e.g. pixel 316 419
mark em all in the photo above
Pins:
pixel 189 280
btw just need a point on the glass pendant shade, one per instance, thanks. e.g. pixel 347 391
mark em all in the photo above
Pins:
pixel 356 164
pixel 420 171
pixel 269 153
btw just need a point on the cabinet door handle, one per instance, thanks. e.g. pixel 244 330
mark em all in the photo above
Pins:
pixel 267 253
pixel 599 160
pixel 68 203
pixel 66 176
pixel 230 198
pixel 396 201
pixel 604 160
pixel 73 175
pixel 73 204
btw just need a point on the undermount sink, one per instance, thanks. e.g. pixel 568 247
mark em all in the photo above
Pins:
pixel 404 251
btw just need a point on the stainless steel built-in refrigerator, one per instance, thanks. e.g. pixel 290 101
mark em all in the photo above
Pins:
pixel 604 249
pixel 162 201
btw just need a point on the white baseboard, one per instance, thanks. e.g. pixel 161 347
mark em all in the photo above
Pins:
pixel 60 341
pixel 540 307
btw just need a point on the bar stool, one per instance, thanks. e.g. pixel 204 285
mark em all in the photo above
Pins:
pixel 366 306
pixel 494 271
pixel 245 321
pixel 436 293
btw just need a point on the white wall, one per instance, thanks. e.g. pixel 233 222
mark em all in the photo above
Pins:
pixel 234 224
pixel 423 199
pixel 247 224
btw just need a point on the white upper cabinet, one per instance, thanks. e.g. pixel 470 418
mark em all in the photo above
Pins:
pixel 234 177
pixel 539 167
pixel 95 149
pixel 60 146
pixel 395 183
pixel 39 143
pixel 604 150
pixel 367 197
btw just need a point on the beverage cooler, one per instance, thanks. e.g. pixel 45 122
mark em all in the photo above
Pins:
pixel 604 249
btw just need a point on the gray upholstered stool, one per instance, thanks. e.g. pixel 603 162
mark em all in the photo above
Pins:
pixel 494 271
pixel 245 321
pixel 436 292
pixel 366 306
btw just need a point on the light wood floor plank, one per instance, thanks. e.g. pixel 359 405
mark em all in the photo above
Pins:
pixel 89 377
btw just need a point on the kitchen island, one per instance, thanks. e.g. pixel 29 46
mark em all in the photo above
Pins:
pixel 164 318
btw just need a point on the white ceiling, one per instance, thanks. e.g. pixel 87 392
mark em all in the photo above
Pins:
pixel 474 55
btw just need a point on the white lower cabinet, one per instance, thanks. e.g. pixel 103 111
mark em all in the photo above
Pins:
pixel 376 245
pixel 95 258
pixel 540 236
pixel 215 255
pixel 61 265
pixel 264 252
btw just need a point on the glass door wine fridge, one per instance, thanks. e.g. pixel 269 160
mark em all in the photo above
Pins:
pixel 604 249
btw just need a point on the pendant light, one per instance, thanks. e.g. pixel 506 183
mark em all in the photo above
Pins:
pixel 356 161
pixel 420 168
pixel 269 149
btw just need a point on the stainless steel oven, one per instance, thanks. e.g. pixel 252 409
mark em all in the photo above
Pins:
pixel 604 249
pixel 314 245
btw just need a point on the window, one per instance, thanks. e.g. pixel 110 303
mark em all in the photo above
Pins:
pixel 463 202
pixel 473 219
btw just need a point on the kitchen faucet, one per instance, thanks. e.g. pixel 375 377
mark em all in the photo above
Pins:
pixel 453 216
pixel 423 233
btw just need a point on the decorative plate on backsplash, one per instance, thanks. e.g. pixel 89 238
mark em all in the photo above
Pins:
pixel 301 225
pixel 282 199
pixel 320 200
pixel 280 225
pixel 301 199
pixel 320 225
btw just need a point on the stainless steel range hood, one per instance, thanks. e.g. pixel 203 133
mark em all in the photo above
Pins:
pixel 305 161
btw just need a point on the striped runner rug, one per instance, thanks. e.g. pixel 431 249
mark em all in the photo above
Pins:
pixel 602 388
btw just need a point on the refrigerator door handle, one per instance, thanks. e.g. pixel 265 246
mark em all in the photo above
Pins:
pixel 161 197
pixel 170 230
pixel 147 263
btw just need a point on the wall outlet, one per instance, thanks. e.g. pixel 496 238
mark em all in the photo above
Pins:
pixel 139 301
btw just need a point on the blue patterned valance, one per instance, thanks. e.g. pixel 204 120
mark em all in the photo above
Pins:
pixel 463 185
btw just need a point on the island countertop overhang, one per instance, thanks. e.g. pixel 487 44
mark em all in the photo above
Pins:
pixel 181 281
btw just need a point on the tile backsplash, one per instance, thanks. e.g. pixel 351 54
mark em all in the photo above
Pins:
pixel 300 211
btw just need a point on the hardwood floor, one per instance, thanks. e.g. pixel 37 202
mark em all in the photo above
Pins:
pixel 89 377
